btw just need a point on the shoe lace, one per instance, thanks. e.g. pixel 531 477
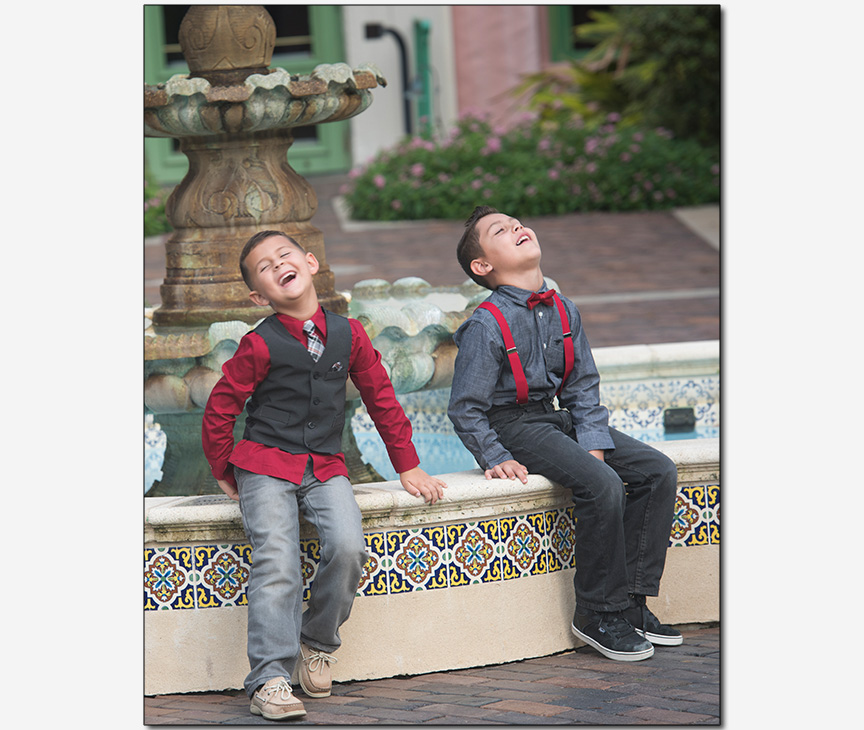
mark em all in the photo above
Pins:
pixel 317 659
pixel 282 687
pixel 615 624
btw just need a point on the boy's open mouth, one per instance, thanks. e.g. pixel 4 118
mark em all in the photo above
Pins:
pixel 288 278
pixel 522 239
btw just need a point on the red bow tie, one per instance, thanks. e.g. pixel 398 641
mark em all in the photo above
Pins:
pixel 544 298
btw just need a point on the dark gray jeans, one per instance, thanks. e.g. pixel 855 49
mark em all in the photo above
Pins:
pixel 623 507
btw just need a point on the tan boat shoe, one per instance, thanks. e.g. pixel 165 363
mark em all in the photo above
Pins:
pixel 275 701
pixel 314 674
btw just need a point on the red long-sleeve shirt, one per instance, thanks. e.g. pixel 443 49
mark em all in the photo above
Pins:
pixel 250 365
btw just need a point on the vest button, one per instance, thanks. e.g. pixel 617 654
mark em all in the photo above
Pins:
pixel 316 375
pixel 316 401
pixel 311 424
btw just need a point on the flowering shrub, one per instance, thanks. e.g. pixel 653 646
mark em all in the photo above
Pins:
pixel 155 221
pixel 535 168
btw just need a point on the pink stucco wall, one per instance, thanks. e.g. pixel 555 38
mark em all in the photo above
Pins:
pixel 494 46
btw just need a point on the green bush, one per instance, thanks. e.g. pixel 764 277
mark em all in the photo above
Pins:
pixel 535 168
pixel 155 220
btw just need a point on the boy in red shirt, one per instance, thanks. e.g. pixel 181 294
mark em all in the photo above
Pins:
pixel 293 369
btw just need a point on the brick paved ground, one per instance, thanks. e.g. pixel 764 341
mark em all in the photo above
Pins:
pixel 636 277
pixel 677 686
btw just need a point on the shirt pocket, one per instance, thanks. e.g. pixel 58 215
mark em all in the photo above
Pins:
pixel 553 353
pixel 337 371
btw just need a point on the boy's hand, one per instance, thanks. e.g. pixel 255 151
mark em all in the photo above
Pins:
pixel 229 489
pixel 419 484
pixel 510 469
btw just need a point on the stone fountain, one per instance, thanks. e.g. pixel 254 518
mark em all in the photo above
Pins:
pixel 234 118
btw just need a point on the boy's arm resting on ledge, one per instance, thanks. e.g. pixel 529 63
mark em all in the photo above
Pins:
pixel 510 469
pixel 420 484
pixel 475 375
pixel 581 394
pixel 376 391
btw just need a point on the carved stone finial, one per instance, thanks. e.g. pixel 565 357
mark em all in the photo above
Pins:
pixel 226 43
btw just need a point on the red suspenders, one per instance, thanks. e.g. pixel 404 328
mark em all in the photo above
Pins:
pixel 516 364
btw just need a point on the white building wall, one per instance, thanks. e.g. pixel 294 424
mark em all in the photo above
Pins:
pixel 382 124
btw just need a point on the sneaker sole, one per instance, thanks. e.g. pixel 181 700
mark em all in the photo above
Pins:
pixel 618 656
pixel 255 710
pixel 660 639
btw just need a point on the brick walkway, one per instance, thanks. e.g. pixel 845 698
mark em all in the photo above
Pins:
pixel 636 277
pixel 677 686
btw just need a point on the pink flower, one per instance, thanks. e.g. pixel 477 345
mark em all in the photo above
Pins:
pixel 379 181
pixel 625 157
pixel 396 204
pixel 553 174
pixel 493 144
pixel 418 169
pixel 476 184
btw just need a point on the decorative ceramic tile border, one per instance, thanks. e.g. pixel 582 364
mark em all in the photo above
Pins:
pixel 640 405
pixel 635 405
pixel 413 558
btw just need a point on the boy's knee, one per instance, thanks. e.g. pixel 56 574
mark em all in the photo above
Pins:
pixel 348 553
pixel 610 493
pixel 667 471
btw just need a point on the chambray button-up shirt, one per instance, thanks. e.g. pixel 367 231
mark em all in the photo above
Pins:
pixel 482 377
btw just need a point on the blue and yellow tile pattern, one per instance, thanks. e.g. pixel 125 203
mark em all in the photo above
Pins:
pixel 413 558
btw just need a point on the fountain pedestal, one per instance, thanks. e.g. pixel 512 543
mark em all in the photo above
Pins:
pixel 234 118
pixel 237 185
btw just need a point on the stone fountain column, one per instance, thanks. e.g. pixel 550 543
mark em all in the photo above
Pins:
pixel 234 118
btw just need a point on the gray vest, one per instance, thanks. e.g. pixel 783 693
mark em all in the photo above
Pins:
pixel 300 406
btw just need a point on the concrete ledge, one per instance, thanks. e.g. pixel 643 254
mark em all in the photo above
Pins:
pixel 419 629
pixel 386 504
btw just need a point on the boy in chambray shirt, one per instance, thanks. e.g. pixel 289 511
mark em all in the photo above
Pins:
pixel 520 349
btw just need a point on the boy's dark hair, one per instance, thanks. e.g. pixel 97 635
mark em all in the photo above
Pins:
pixel 469 247
pixel 252 243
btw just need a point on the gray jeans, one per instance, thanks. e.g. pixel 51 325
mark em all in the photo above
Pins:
pixel 271 510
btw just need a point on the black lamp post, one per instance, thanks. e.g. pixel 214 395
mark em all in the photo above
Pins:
pixel 376 30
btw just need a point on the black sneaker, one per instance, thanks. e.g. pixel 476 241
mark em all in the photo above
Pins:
pixel 610 634
pixel 648 625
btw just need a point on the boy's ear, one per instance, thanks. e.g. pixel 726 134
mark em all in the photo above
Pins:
pixel 313 263
pixel 258 299
pixel 481 267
